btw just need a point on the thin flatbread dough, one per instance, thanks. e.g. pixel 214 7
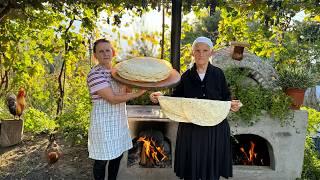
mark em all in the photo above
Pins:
pixel 144 69
pixel 202 112
pixel 175 113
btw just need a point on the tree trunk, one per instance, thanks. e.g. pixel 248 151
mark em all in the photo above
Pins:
pixel 5 11
pixel 213 5
pixel 310 99
pixel 62 75
pixel 4 77
pixel 61 89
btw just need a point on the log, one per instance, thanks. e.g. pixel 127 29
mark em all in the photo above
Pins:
pixel 143 156
pixel 10 132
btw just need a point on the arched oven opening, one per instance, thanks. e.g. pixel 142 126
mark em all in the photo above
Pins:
pixel 151 145
pixel 252 150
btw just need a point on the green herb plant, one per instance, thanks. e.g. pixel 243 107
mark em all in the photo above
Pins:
pixel 256 99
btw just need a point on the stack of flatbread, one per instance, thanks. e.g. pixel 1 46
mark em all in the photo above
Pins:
pixel 144 69
pixel 202 112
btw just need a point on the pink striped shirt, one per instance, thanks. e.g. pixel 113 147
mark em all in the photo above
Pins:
pixel 97 79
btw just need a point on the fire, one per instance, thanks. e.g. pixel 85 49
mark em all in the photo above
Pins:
pixel 249 160
pixel 151 150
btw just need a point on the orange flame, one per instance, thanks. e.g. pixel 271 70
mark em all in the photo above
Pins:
pixel 152 150
pixel 252 155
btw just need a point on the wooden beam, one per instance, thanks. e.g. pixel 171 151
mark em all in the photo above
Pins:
pixel 175 34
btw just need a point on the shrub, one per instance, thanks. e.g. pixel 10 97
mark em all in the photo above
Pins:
pixel 311 164
pixel 74 121
pixel 256 99
pixel 4 112
pixel 36 121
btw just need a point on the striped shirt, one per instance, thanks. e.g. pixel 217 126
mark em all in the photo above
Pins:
pixel 97 79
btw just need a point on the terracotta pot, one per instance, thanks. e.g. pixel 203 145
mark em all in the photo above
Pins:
pixel 297 97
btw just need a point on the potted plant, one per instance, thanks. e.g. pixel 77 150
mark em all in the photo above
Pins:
pixel 294 80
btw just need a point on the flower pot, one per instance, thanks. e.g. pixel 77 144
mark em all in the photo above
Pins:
pixel 297 96
pixel 10 132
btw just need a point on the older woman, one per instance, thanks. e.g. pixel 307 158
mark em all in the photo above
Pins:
pixel 203 152
pixel 109 134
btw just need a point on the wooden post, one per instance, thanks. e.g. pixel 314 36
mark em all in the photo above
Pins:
pixel 175 34
pixel 10 132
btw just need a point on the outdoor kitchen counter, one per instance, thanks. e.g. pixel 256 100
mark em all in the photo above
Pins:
pixel 146 113
pixel 285 144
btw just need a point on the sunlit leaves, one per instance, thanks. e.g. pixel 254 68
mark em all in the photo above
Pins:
pixel 37 39
pixel 144 44
pixel 37 122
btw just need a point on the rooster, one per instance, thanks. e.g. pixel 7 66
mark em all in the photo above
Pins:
pixel 17 104
pixel 53 151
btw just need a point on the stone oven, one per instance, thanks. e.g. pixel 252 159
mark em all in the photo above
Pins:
pixel 142 119
pixel 285 146
pixel 265 150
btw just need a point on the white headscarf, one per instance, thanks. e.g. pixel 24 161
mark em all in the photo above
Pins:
pixel 201 39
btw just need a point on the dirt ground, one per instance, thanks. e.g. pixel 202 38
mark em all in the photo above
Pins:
pixel 26 161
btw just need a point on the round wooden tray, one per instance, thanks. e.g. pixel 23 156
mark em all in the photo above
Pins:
pixel 170 82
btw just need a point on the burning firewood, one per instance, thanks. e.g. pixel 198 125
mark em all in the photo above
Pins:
pixel 252 155
pixel 151 151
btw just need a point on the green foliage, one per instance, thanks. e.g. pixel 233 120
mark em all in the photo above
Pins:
pixel 74 121
pixel 296 77
pixel 313 120
pixel 142 100
pixel 186 57
pixel 301 46
pixel 144 44
pixel 202 26
pixel 235 76
pixel 37 122
pixel 279 105
pixel 35 41
pixel 298 62
pixel 311 164
pixel 263 25
pixel 32 54
pixel 239 24
pixel 256 99
pixel 4 112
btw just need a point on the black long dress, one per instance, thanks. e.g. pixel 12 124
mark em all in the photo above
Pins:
pixel 203 152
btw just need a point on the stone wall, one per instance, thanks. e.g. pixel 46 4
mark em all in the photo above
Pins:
pixel 261 70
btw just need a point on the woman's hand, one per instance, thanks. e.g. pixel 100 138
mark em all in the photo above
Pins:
pixel 154 96
pixel 235 105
